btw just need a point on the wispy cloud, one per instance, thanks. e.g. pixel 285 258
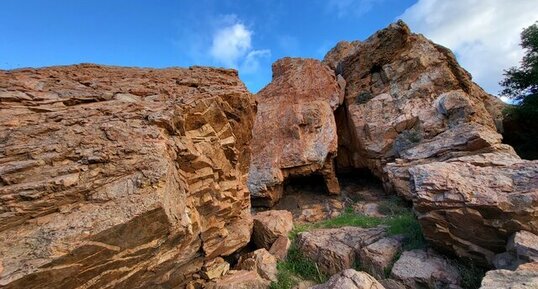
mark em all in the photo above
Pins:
pixel 344 8
pixel 231 46
pixel 484 35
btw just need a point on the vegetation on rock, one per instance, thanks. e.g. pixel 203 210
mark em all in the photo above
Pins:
pixel 399 220
pixel 521 84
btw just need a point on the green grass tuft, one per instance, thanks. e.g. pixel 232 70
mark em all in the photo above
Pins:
pixel 296 267
pixel 407 225
pixel 400 221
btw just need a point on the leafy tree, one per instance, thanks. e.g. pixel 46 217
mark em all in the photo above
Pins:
pixel 521 84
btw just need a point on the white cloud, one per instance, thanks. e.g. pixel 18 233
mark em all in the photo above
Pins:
pixel 251 63
pixel 484 34
pixel 232 46
pixel 344 8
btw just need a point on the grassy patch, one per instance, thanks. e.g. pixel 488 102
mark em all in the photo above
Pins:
pixel 407 225
pixel 296 268
pixel 399 220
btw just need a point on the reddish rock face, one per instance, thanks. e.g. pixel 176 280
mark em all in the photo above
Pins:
pixel 120 177
pixel 414 117
pixel 295 132
pixel 402 90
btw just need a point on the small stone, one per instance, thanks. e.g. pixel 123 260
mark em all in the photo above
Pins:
pixel 215 268
pixel 280 247
pixel 260 261
pixel 350 279
pixel 269 225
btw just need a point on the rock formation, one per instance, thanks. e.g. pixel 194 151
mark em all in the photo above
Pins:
pixel 121 177
pixel 414 118
pixel 334 250
pixel 295 132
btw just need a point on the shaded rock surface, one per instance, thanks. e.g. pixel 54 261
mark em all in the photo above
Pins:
pixel 522 248
pixel 121 177
pixel 350 279
pixel 425 269
pixel 334 250
pixel 295 131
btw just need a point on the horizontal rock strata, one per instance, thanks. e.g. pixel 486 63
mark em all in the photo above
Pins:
pixel 120 177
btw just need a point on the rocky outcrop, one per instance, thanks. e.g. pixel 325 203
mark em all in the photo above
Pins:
pixel 471 205
pixel 403 90
pixel 425 269
pixel 334 250
pixel 295 132
pixel 121 177
pixel 525 277
pixel 350 279
pixel 414 118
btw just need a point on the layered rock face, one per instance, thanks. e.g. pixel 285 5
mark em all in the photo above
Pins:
pixel 121 177
pixel 295 131
pixel 414 117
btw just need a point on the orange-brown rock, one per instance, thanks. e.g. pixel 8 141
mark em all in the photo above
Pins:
pixel 121 177
pixel 471 205
pixel 260 261
pixel 414 117
pixel 403 90
pixel 269 226
pixel 295 131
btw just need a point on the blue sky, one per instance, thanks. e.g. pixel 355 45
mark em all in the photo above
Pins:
pixel 249 35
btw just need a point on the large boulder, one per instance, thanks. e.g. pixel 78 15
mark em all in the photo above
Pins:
pixel 295 131
pixel 471 205
pixel 379 256
pixel 425 269
pixel 403 90
pixel 416 119
pixel 350 279
pixel 334 250
pixel 121 177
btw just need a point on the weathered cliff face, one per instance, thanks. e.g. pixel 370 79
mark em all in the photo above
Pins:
pixel 414 117
pixel 401 90
pixel 120 177
pixel 295 132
